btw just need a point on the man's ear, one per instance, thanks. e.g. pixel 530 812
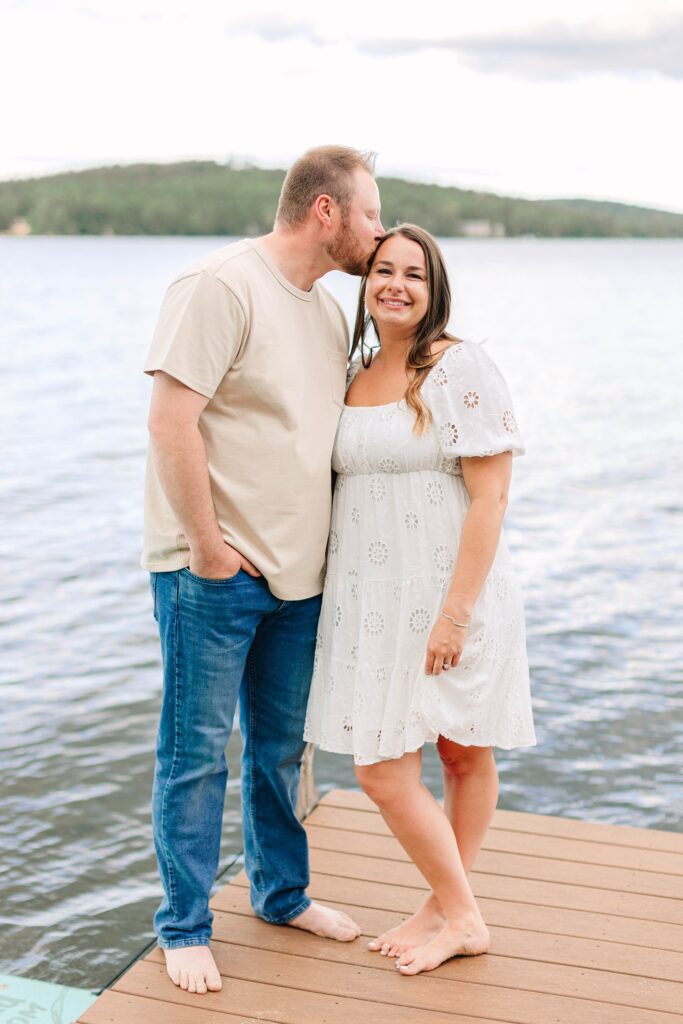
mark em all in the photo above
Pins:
pixel 324 208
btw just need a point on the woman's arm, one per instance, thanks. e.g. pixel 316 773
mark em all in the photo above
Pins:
pixel 487 480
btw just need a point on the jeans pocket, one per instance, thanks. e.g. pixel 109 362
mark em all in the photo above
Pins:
pixel 209 582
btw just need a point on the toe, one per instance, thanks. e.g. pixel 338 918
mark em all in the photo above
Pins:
pixel 192 983
pixel 213 981
pixel 184 980
pixel 409 968
pixel 201 985
pixel 374 945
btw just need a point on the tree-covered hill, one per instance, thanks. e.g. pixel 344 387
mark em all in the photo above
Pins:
pixel 205 198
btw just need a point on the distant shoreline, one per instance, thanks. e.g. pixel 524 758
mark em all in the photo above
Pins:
pixel 206 199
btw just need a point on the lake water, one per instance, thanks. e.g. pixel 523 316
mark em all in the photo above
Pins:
pixel 589 337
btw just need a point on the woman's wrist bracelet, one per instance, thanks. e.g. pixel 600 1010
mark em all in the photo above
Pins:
pixel 463 625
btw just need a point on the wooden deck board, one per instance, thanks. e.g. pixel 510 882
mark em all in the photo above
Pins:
pixel 586 923
pixel 508 841
pixel 515 942
pixel 646 883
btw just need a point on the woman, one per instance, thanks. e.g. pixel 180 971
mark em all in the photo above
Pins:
pixel 422 623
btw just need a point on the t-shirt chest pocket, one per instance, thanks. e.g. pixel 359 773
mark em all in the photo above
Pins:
pixel 336 365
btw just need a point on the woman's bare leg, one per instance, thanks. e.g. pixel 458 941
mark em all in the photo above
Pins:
pixel 426 834
pixel 470 797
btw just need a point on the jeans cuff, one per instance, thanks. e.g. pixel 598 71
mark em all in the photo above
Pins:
pixel 292 913
pixel 182 943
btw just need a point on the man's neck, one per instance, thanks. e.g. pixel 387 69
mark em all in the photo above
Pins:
pixel 297 257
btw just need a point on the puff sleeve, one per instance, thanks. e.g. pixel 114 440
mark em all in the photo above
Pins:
pixel 471 405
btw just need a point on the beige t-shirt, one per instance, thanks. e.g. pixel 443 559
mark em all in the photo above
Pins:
pixel 272 360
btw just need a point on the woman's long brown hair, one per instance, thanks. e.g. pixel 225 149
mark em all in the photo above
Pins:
pixel 431 328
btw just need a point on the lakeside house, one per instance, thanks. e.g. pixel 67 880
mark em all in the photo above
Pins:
pixel 482 229
pixel 19 227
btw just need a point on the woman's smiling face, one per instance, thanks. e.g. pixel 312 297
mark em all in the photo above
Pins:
pixel 397 293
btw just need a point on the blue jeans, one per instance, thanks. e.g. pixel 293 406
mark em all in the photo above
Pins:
pixel 220 640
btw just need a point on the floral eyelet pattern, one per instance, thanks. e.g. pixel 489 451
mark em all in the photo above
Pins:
pixel 388 465
pixel 471 400
pixel 355 515
pixel 443 558
pixel 440 377
pixel 378 489
pixel 411 520
pixel 449 466
pixel 337 615
pixel 373 623
pixel 449 435
pixel 509 422
pixel 333 544
pixel 378 552
pixel 435 493
pixel 419 620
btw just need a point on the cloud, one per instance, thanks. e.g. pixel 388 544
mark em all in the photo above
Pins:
pixel 277 28
pixel 548 51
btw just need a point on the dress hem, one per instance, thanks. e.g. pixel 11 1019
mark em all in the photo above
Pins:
pixel 336 749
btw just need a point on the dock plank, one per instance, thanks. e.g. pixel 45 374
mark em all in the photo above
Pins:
pixel 549 869
pixel 433 992
pixel 542 824
pixel 495 969
pixel 403 900
pixel 509 841
pixel 285 1003
pixel 586 922
pixel 118 1006
pixel 511 887
pixel 514 942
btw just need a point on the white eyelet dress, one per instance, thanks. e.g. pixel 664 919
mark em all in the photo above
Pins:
pixel 398 510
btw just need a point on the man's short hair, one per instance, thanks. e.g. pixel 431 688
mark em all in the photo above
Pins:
pixel 325 170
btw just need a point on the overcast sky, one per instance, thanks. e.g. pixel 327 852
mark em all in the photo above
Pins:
pixel 525 98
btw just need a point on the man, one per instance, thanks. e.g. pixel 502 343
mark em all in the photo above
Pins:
pixel 249 365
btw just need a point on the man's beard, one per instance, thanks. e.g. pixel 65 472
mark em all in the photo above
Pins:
pixel 347 253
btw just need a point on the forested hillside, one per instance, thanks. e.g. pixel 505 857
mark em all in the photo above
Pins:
pixel 204 198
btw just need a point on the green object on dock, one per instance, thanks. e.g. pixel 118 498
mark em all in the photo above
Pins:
pixel 25 1001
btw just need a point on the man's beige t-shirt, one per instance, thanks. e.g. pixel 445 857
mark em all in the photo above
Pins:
pixel 272 360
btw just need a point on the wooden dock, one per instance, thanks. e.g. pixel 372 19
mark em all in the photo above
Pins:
pixel 586 923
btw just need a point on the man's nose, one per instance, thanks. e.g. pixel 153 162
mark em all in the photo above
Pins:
pixel 381 231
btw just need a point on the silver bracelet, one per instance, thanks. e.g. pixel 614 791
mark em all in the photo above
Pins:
pixel 463 625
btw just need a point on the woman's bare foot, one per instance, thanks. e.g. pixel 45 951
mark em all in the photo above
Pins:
pixel 193 968
pixel 424 925
pixel 331 924
pixel 469 938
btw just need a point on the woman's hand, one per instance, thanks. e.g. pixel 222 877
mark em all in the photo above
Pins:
pixel 444 647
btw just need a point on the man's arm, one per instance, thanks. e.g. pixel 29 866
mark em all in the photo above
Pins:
pixel 181 464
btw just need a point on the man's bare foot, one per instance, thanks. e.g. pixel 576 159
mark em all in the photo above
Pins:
pixel 331 924
pixel 424 925
pixel 470 938
pixel 193 968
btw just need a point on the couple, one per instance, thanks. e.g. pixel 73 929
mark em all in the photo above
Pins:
pixel 420 636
